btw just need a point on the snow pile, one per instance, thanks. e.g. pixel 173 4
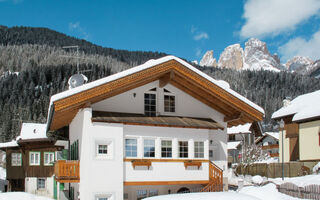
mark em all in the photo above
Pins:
pixel 300 181
pixel 234 180
pixel 204 196
pixel 3 173
pixel 233 145
pixel 239 129
pixel 316 168
pixel 267 192
pixel 303 107
pixel 257 180
pixel 268 160
pixel 21 196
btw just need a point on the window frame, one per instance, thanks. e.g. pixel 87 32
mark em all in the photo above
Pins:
pixel 150 113
pixel 110 150
pixel 197 148
pixel 125 147
pixel 154 146
pixel 179 150
pixel 103 153
pixel 166 152
pixel 20 163
pixel 44 158
pixel 169 106
pixel 34 152
pixel 45 184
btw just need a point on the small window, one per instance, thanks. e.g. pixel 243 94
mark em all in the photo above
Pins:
pixel 150 104
pixel 34 158
pixel 153 89
pixel 41 183
pixel 149 148
pixel 141 194
pixel 131 147
pixel 199 149
pixel 166 91
pixel 102 149
pixel 48 158
pixel 169 103
pixel 153 193
pixel 166 148
pixel 125 196
pixel 183 149
pixel 232 137
pixel 211 153
pixel 16 159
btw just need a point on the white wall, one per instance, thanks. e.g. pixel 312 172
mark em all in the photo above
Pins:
pixel 98 176
pixel 185 104
pixel 218 144
pixel 166 171
pixel 31 187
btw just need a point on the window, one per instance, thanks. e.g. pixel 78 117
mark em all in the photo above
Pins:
pixel 211 153
pixel 75 150
pixel 166 148
pixel 183 149
pixel 16 159
pixel 41 183
pixel 102 149
pixel 150 104
pixel 153 193
pixel 232 137
pixel 149 148
pixel 131 147
pixel 48 158
pixel 199 149
pixel 34 158
pixel 141 194
pixel 169 103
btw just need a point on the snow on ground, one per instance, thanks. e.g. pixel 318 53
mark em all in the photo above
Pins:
pixel 257 179
pixel 233 179
pixel 267 192
pixel 21 196
pixel 300 181
pixel 204 196
pixel 316 168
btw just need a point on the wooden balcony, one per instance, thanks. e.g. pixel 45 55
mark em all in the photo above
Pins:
pixel 272 146
pixel 67 171
pixel 274 154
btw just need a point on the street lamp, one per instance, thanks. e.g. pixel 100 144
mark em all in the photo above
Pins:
pixel 281 124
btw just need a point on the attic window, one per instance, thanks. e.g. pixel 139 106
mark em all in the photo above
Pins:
pixel 153 90
pixel 165 90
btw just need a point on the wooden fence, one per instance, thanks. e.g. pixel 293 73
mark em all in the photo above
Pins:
pixel 307 192
pixel 274 170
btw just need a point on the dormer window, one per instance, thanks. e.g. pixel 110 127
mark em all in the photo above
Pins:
pixel 150 104
pixel 169 103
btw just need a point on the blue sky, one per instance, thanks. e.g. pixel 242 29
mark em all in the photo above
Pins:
pixel 183 28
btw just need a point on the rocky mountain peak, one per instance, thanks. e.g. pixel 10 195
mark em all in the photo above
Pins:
pixel 232 57
pixel 298 62
pixel 208 60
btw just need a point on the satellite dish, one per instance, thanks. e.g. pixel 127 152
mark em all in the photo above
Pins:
pixel 77 80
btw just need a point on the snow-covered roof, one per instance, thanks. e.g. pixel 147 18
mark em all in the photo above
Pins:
pixel 144 66
pixel 245 128
pixel 13 143
pixel 273 134
pixel 303 107
pixel 32 131
pixel 233 145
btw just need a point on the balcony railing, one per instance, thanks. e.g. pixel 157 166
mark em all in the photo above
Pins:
pixel 271 146
pixel 67 171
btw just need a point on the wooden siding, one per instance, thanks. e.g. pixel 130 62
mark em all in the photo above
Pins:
pixel 14 172
pixel 192 83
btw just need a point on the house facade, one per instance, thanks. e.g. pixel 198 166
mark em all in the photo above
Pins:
pixel 301 133
pixel 30 161
pixel 269 143
pixel 158 128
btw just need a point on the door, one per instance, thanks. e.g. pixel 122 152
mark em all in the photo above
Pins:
pixel 294 148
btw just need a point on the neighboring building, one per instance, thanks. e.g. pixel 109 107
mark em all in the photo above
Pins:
pixel 157 128
pixel 269 143
pixel 302 128
pixel 239 137
pixel 30 159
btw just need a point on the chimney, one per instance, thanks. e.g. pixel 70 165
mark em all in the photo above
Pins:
pixel 286 102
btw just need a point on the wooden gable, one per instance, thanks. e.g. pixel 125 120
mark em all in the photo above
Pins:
pixel 235 110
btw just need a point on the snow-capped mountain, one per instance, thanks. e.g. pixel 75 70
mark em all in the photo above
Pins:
pixel 208 60
pixel 232 57
pixel 258 57
pixel 299 62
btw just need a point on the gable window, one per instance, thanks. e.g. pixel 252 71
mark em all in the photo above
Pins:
pixel 102 149
pixel 199 149
pixel 169 103
pixel 183 149
pixel 16 159
pixel 34 158
pixel 131 147
pixel 150 104
pixel 41 183
pixel 48 158
pixel 166 148
pixel 149 148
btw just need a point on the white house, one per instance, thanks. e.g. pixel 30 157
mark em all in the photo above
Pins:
pixel 157 128
pixel 269 143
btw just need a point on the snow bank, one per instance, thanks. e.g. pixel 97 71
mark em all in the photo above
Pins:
pixel 267 192
pixel 257 180
pixel 21 196
pixel 300 181
pixel 268 160
pixel 204 196
pixel 316 168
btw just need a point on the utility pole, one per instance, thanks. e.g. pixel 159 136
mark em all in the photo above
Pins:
pixel 281 124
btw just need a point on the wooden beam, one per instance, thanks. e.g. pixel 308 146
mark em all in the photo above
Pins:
pixel 234 117
pixel 164 80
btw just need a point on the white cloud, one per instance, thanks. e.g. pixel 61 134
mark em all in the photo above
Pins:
pixel 198 52
pixel 200 36
pixel 301 47
pixel 76 27
pixel 269 18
